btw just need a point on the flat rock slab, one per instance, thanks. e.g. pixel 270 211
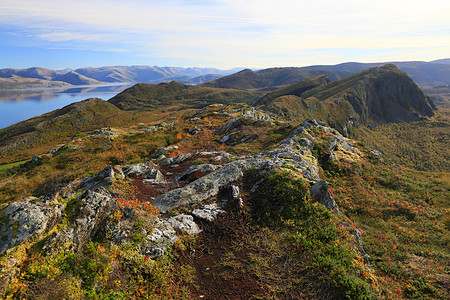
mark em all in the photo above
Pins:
pixel 206 186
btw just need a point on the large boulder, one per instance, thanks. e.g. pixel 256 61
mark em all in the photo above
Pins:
pixel 162 236
pixel 296 152
pixel 206 186
pixel 25 220
pixel 92 217
pixel 102 179
pixel 321 193
pixel 92 213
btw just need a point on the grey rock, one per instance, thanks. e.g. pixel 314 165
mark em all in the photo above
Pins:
pixel 146 171
pixel 248 137
pixel 163 235
pixel 309 123
pixel 102 179
pixel 224 139
pixel 195 168
pixel 54 150
pixel 108 132
pixel 234 191
pixel 205 187
pixel 163 150
pixel 23 221
pixel 184 224
pixel 291 151
pixel 176 160
pixel 320 192
pixel 208 212
pixel 120 237
pixel 161 157
pixel 35 160
pixel 357 235
pixel 339 140
pixel 256 185
pixel 154 174
pixel 306 143
pixel 376 153
pixel 92 217
pixel 232 124
pixel 193 130
pixel 220 153
pixel 58 240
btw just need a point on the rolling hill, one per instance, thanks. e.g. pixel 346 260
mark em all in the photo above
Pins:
pixel 151 96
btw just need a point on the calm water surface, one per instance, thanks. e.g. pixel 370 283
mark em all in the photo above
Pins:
pixel 20 105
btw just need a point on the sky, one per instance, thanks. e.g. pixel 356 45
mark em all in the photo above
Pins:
pixel 223 34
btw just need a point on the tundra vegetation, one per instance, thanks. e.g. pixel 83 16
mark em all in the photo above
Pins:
pixel 387 237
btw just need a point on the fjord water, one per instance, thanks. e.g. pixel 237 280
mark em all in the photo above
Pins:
pixel 20 105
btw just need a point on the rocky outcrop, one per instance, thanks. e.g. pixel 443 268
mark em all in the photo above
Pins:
pixel 207 186
pixel 296 151
pixel 322 194
pixel 25 220
pixel 102 179
pixel 108 132
pixel 203 168
pixel 163 235
pixel 92 216
pixel 146 171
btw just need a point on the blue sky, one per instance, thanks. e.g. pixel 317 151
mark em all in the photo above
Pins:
pixel 223 34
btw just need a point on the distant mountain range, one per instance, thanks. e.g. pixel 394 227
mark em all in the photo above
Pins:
pixel 40 77
pixel 425 74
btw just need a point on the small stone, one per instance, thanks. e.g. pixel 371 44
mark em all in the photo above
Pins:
pixel 224 139
pixel 235 191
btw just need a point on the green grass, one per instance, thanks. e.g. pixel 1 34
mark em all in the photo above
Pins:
pixel 5 167
pixel 312 232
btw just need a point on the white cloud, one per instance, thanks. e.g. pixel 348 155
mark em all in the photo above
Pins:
pixel 237 32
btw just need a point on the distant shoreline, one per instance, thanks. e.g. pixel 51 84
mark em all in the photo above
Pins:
pixel 65 87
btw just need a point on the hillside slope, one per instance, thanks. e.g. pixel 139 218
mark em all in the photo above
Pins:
pixel 374 96
pixel 270 79
pixel 296 89
pixel 19 82
pixel 275 211
pixel 149 96
pixel 59 125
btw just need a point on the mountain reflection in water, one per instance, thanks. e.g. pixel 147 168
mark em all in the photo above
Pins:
pixel 20 105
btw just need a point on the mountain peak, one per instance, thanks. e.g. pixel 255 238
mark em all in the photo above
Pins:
pixel 377 95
